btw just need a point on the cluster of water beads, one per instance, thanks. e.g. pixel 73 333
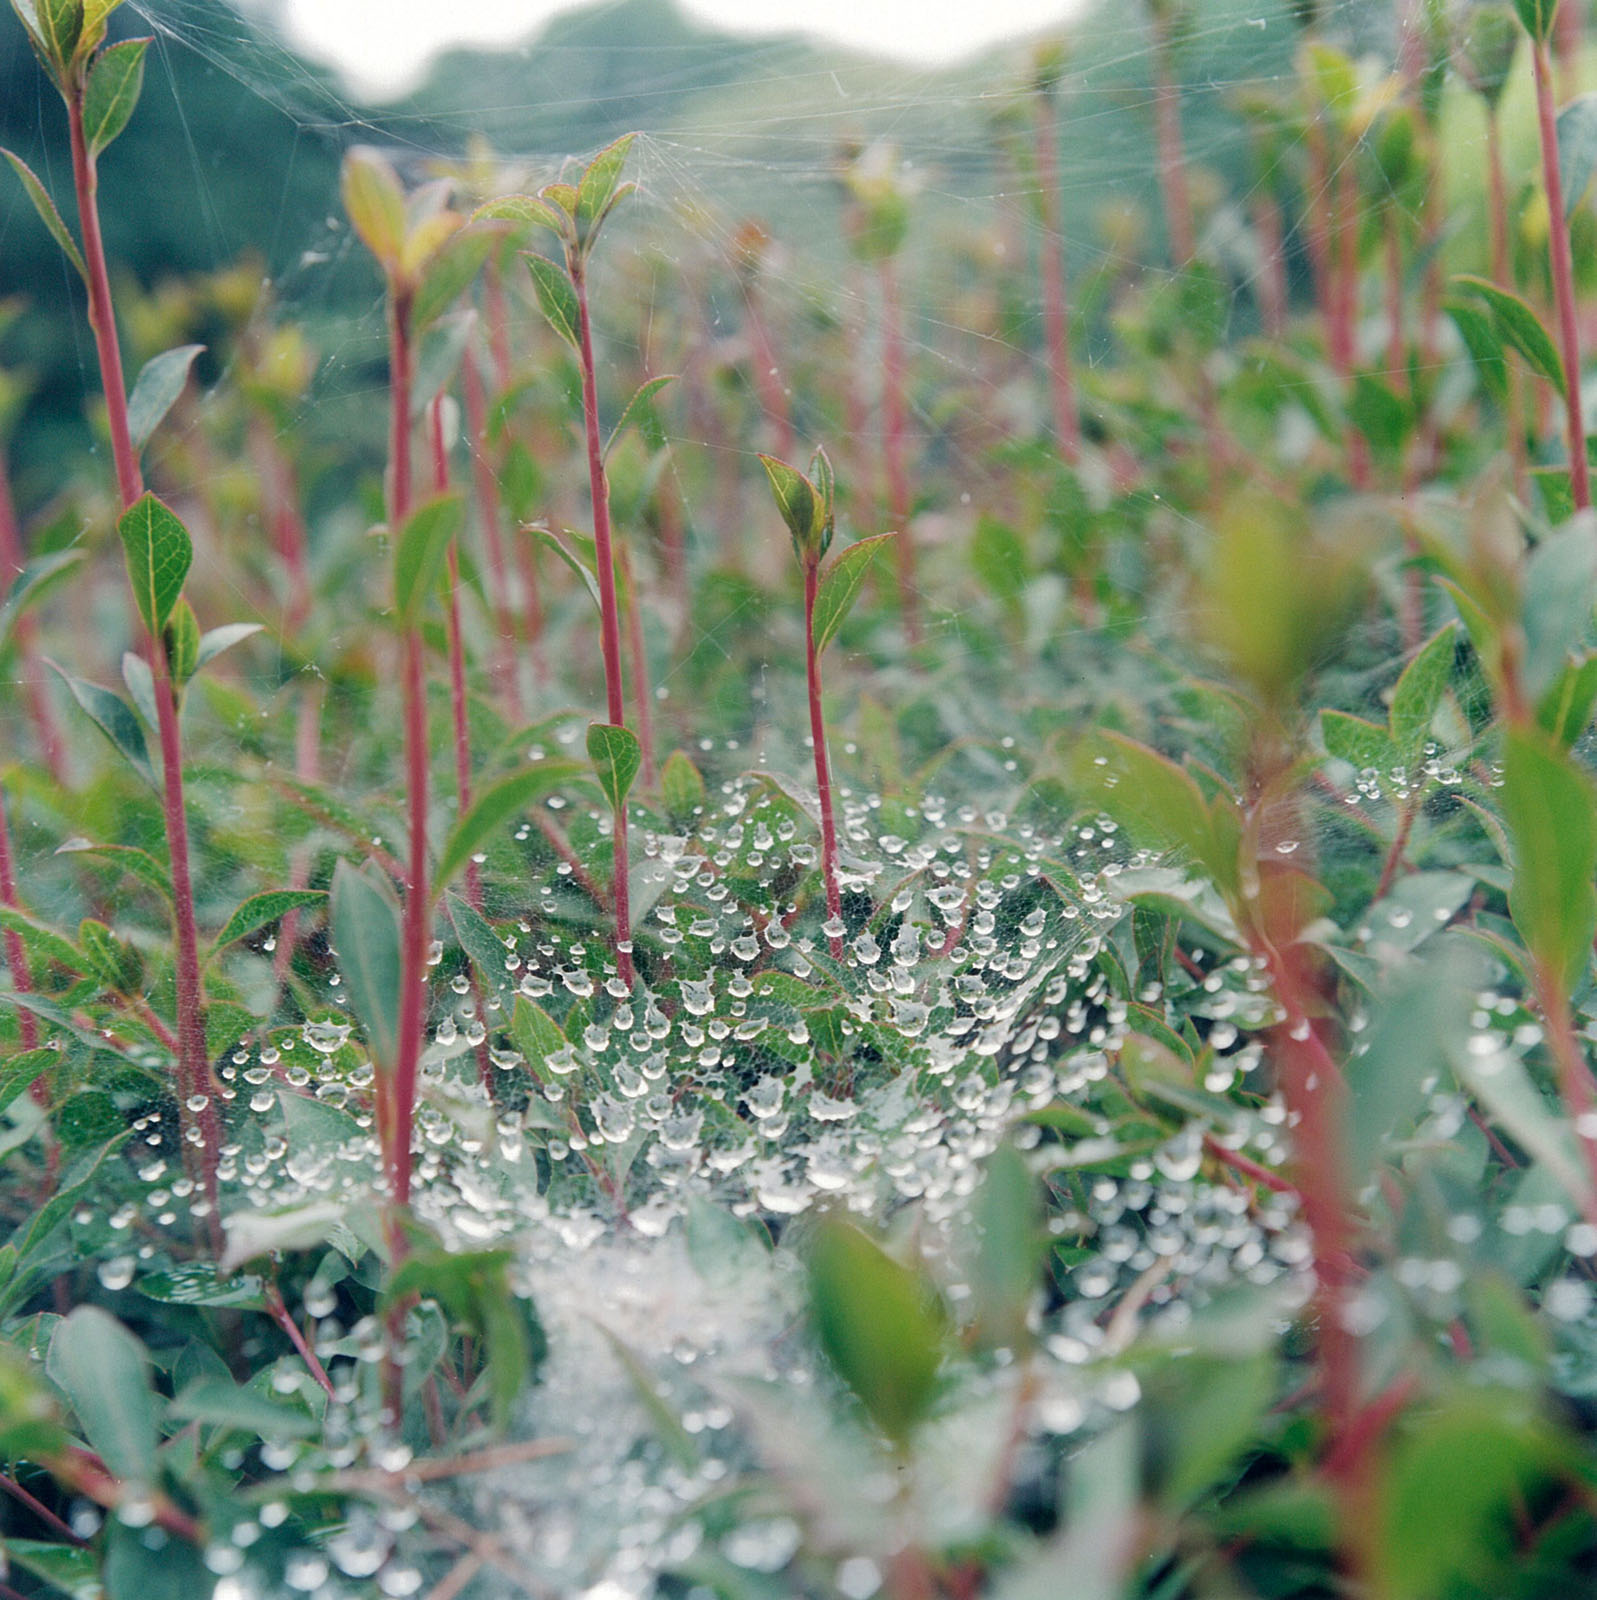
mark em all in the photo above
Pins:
pixel 973 997
pixel 761 1077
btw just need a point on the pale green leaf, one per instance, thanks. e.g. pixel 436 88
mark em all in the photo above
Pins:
pixel 159 385
pixel 841 584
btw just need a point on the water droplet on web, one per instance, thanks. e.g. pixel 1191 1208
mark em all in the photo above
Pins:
pixel 117 1273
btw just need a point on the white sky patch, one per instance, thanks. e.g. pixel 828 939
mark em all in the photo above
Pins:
pixel 383 46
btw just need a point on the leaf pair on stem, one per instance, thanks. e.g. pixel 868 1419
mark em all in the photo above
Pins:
pixel 806 505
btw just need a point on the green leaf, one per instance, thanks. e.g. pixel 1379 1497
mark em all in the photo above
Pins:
pixel 32 585
pixel 560 198
pixel 1476 329
pixel 105 1375
pixel 1565 710
pixel 998 558
pixel 578 554
pixel 1577 149
pixel 375 205
pixel 1452 1490
pixel 135 862
pixel 638 411
pixel 419 553
pixel 667 1424
pixel 1160 802
pixel 140 680
pixel 1419 693
pixel 226 1023
pixel 181 640
pixel 75 1572
pixel 74 1183
pixel 21 1072
pixel 841 584
pixel 492 809
pixel 1407 1050
pixel 45 206
pixel 474 1288
pixel 1551 812
pixel 156 392
pixel 115 82
pixel 365 923
pixel 520 208
pixel 115 718
pixel 681 786
pixel 1359 743
pixel 87 1118
pixel 725 1250
pixel 1201 1412
pixel 1517 326
pixel 1003 1271
pixel 218 1402
pixel 198 1283
pixel 253 1233
pixel 556 299
pixel 95 13
pixel 1383 416
pixel 1560 590
pixel 43 943
pixel 449 274
pixel 486 950
pixel 261 909
pixel 616 756
pixel 57 26
pixel 537 1036
pixel 158 554
pixel 215 640
pixel 1536 17
pixel 878 1323
pixel 800 504
pixel 441 351
pixel 597 188
pixel 1487 49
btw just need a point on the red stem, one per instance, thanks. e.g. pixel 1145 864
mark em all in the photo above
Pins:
pixel 1320 207
pixel 1575 1083
pixel 489 514
pixel 1563 278
pixel 823 767
pixel 280 507
pixel 1346 243
pixel 457 704
pixel 129 482
pixel 1394 856
pixel 599 490
pixel 61 1529
pixel 1396 352
pixel 395 1122
pixel 640 670
pixel 893 446
pixel 307 766
pixel 16 950
pixel 1174 184
pixel 493 295
pixel 1271 285
pixel 1503 276
pixel 413 994
pixel 12 561
pixel 1056 320
pixel 1247 1166
pixel 457 649
pixel 279 1314
pixel 193 1062
pixel 609 617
